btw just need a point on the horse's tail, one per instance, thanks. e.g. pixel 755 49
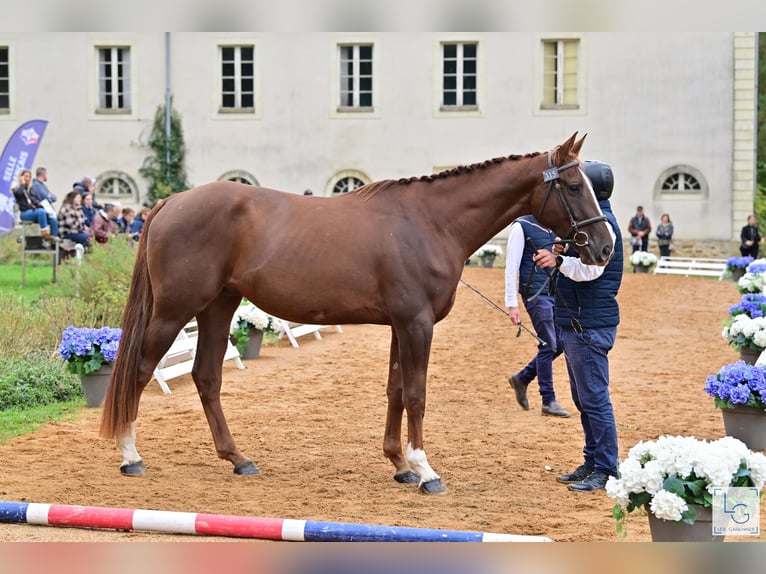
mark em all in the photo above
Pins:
pixel 121 401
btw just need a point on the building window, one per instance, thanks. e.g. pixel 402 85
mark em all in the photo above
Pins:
pixel 560 74
pixel 238 78
pixel 356 78
pixel 240 176
pixel 681 181
pixel 346 183
pixel 116 186
pixel 459 72
pixel 5 79
pixel 114 80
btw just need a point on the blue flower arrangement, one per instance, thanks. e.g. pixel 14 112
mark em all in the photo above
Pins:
pixel 738 384
pixel 752 304
pixel 86 350
pixel 738 262
pixel 757 266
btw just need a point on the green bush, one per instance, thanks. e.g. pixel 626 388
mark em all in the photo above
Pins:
pixel 36 381
pixel 102 281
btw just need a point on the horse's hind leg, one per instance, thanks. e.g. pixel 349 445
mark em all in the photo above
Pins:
pixel 392 441
pixel 158 338
pixel 214 324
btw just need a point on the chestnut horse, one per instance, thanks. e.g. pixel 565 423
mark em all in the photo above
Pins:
pixel 389 253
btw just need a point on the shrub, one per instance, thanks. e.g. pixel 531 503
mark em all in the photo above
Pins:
pixel 36 381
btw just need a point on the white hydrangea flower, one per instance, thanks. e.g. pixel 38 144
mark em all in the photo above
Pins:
pixel 615 489
pixel 668 506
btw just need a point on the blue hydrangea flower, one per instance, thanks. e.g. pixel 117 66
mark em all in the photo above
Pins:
pixel 743 262
pixel 86 349
pixel 738 384
pixel 752 304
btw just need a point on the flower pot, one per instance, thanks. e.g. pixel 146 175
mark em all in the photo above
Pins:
pixel 668 531
pixel 94 385
pixel 488 261
pixel 253 348
pixel 640 269
pixel 748 424
pixel 737 273
pixel 748 355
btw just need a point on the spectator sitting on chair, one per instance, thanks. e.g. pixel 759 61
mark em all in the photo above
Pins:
pixel 138 223
pixel 71 220
pixel 87 208
pixel 124 222
pixel 31 210
pixel 103 224
pixel 40 189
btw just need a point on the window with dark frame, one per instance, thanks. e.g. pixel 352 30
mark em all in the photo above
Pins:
pixel 459 74
pixel 5 80
pixel 681 182
pixel 356 77
pixel 238 78
pixel 346 184
pixel 114 79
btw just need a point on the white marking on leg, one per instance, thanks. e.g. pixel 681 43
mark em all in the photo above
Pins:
pixel 127 446
pixel 419 464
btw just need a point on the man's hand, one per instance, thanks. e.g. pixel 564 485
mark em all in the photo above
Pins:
pixel 545 258
pixel 515 315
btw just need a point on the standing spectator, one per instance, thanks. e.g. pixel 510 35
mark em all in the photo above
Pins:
pixel 750 238
pixel 88 211
pixel 103 224
pixel 664 235
pixel 31 210
pixel 72 221
pixel 639 229
pixel 539 303
pixel 588 314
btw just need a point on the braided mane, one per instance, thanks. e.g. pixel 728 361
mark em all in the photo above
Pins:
pixel 371 189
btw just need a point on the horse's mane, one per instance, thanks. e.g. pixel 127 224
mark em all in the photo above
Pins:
pixel 371 189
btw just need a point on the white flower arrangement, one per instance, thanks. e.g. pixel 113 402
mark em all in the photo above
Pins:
pixel 643 258
pixel 489 250
pixel 752 283
pixel 669 474
pixel 745 332
pixel 249 316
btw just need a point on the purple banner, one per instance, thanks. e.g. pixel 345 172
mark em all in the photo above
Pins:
pixel 19 153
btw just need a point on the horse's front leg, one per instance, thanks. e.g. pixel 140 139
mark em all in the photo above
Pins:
pixel 392 441
pixel 414 352
pixel 207 374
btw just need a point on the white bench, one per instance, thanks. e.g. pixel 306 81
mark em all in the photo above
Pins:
pixel 179 359
pixel 691 266
pixel 295 330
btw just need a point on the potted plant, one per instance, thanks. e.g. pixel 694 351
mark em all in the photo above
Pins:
pixel 737 265
pixel 90 353
pixel 642 261
pixel 752 304
pixel 673 479
pixel 248 327
pixel 487 253
pixel 746 335
pixel 754 276
pixel 738 389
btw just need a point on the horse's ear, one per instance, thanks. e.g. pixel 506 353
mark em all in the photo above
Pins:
pixel 578 146
pixel 562 151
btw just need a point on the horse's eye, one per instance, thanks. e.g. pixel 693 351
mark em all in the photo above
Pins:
pixel 574 189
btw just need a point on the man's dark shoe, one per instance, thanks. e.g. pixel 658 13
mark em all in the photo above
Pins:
pixel 579 474
pixel 595 481
pixel 554 409
pixel 521 391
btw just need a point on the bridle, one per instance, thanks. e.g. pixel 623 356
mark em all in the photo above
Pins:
pixel 551 177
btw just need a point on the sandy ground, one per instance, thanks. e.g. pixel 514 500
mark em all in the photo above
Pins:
pixel 312 419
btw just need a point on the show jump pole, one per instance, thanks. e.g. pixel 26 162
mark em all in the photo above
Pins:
pixel 173 522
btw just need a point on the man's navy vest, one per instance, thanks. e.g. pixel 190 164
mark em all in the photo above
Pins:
pixel 540 235
pixel 593 303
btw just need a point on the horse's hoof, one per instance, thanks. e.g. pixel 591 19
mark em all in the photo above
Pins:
pixel 435 486
pixel 134 469
pixel 247 468
pixel 407 477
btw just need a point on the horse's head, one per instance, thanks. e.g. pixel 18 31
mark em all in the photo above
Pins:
pixel 566 203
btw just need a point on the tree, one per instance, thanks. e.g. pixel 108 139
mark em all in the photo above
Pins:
pixel 165 169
